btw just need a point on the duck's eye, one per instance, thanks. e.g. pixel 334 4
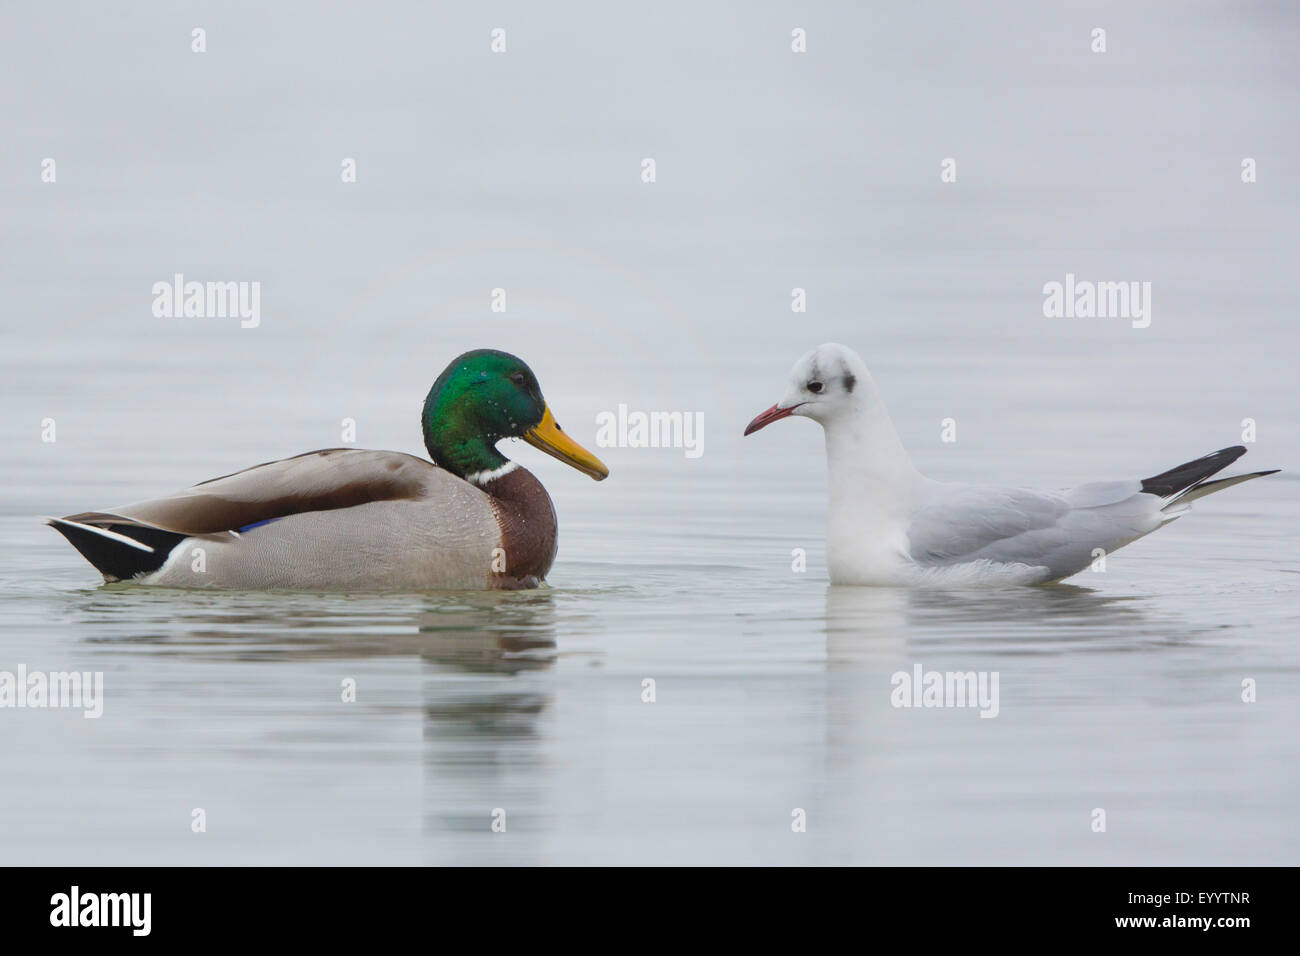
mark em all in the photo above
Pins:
pixel 517 378
pixel 815 387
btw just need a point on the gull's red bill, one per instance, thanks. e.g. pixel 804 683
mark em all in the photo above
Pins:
pixel 773 414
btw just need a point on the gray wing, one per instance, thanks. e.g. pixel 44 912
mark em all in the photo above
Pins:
pixel 964 523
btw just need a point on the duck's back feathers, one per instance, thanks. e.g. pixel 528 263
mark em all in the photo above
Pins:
pixel 315 481
pixel 337 518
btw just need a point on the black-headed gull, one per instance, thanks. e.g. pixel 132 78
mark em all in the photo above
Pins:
pixel 890 525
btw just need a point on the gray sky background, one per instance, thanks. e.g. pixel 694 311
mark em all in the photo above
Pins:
pixel 521 170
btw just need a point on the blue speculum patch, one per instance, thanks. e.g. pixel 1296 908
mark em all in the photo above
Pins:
pixel 256 524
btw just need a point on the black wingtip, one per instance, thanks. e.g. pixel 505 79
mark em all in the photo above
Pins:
pixel 1171 482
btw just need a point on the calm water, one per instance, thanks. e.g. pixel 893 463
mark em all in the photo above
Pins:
pixel 1121 691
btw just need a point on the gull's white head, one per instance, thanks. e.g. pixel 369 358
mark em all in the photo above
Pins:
pixel 829 381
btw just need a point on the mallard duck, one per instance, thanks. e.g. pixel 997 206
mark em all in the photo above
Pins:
pixel 890 525
pixel 351 519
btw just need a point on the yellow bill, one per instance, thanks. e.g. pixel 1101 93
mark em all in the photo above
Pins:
pixel 550 438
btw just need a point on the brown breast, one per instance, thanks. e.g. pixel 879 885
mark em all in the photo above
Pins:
pixel 528 529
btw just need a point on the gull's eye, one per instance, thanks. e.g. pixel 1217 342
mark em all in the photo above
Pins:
pixel 815 387
pixel 518 378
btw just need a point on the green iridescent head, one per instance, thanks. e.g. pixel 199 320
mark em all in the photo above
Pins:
pixel 484 396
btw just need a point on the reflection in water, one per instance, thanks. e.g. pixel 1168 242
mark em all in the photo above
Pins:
pixel 480 691
pixel 481 740
pixel 481 632
pixel 869 623
pixel 909 767
pixel 864 623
